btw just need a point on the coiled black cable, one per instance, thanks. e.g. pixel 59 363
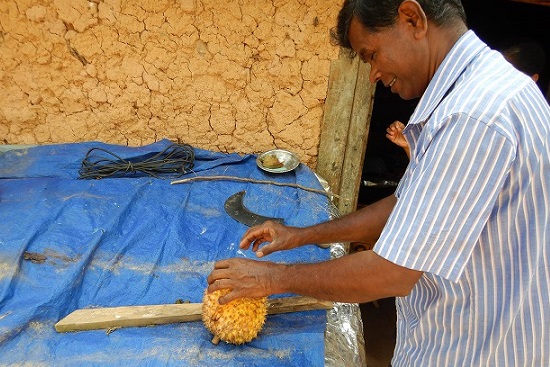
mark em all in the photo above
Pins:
pixel 174 161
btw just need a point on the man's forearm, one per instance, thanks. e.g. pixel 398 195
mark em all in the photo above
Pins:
pixel 364 225
pixel 356 278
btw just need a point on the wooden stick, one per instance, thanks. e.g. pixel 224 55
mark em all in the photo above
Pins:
pixel 129 316
pixel 252 180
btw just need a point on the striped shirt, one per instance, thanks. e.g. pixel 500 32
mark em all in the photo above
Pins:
pixel 473 213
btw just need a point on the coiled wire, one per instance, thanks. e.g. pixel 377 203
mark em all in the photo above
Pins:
pixel 174 161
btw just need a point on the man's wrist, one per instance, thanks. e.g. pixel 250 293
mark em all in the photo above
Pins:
pixel 278 279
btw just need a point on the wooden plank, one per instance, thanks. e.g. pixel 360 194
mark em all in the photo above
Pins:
pixel 352 168
pixel 109 317
pixel 336 120
pixel 344 132
pixel 296 304
pixel 130 316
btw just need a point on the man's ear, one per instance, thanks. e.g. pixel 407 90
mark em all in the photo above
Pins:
pixel 411 13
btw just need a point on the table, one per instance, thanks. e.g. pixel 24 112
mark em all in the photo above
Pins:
pixel 68 243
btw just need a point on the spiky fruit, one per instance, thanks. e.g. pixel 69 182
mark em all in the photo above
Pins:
pixel 236 322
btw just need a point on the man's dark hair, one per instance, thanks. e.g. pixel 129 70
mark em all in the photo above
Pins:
pixel 377 14
pixel 527 56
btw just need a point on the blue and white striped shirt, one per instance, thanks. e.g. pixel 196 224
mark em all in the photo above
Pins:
pixel 473 213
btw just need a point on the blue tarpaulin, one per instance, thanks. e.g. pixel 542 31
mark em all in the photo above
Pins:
pixel 138 241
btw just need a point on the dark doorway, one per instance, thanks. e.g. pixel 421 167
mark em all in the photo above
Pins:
pixel 498 21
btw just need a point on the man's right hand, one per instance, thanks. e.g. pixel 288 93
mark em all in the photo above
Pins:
pixel 280 237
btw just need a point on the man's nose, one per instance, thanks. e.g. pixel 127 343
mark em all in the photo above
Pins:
pixel 374 75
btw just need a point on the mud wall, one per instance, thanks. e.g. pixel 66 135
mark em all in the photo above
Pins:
pixel 232 76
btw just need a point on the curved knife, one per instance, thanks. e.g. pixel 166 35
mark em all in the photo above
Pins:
pixel 234 206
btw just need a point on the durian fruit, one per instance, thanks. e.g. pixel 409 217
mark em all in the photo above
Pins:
pixel 236 322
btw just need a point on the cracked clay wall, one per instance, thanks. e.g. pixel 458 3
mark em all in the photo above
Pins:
pixel 233 76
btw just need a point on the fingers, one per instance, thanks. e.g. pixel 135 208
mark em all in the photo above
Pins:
pixel 222 264
pixel 229 297
pixel 218 284
pixel 224 284
pixel 244 278
pixel 215 276
pixel 277 236
pixel 255 236
pixel 225 270
pixel 220 277
pixel 391 133
pixel 267 249
pixel 397 126
pixel 256 244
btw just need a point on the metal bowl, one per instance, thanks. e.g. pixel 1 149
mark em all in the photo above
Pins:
pixel 288 160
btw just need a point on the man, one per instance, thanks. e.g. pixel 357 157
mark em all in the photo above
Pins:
pixel 464 242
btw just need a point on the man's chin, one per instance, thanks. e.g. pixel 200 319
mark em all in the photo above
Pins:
pixel 405 96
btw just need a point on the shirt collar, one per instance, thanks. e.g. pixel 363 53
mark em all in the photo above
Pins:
pixel 459 57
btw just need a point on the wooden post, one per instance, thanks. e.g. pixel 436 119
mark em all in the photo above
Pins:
pixel 345 129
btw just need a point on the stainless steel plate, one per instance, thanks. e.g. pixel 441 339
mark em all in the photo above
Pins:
pixel 288 160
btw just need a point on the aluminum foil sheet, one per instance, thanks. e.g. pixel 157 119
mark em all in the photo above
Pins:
pixel 344 340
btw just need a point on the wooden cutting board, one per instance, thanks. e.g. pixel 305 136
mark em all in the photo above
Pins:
pixel 129 316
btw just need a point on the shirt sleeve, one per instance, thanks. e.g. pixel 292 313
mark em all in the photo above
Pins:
pixel 446 197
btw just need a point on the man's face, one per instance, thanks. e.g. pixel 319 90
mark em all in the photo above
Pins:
pixel 396 58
